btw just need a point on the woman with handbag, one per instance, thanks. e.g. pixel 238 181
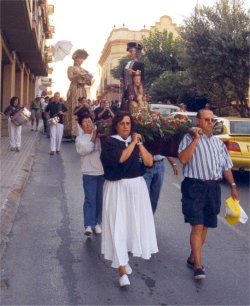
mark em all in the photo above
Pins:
pixel 14 130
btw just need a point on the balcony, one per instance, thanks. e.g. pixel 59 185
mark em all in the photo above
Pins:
pixel 22 30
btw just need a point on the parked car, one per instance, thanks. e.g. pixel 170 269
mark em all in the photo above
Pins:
pixel 235 133
pixel 190 115
pixel 164 109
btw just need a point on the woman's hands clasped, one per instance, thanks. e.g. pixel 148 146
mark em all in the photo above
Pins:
pixel 136 138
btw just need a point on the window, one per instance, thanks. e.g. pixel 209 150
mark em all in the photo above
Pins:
pixel 240 127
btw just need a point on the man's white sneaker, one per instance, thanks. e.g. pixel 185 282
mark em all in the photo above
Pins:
pixel 124 280
pixel 88 231
pixel 98 229
pixel 128 269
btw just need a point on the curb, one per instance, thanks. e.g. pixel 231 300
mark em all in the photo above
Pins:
pixel 10 206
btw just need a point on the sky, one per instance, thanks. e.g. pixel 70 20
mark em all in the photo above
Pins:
pixel 87 24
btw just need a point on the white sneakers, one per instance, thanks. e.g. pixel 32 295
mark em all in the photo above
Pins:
pixel 89 231
pixel 98 229
pixel 128 269
pixel 124 281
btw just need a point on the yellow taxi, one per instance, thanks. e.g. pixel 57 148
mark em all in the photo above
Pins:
pixel 235 133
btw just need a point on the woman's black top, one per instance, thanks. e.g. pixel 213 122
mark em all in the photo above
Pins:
pixel 110 156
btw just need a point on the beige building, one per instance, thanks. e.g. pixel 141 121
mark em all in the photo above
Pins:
pixel 115 48
pixel 24 30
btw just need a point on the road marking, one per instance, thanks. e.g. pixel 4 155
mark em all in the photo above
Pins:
pixel 177 186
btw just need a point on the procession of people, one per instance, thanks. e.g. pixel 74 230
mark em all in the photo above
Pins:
pixel 121 178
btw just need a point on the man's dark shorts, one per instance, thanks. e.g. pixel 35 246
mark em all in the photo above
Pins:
pixel 201 202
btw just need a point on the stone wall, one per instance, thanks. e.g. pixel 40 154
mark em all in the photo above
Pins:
pixel 3 125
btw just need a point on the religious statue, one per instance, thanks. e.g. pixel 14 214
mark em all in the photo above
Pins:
pixel 134 52
pixel 136 95
pixel 79 77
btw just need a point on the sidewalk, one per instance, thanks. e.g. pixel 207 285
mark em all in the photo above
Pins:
pixel 14 168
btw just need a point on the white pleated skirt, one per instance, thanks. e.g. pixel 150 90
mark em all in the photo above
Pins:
pixel 128 222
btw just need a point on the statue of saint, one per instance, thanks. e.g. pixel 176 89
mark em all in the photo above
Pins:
pixel 79 77
pixel 134 52
pixel 136 95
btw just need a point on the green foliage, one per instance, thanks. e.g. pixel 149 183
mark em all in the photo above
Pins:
pixel 172 86
pixel 117 71
pixel 216 44
pixel 160 55
pixel 151 126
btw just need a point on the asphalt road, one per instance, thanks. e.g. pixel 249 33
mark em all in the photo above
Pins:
pixel 50 262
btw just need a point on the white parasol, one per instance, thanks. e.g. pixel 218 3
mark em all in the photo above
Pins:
pixel 61 49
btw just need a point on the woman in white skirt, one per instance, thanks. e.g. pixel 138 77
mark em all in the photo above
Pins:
pixel 128 223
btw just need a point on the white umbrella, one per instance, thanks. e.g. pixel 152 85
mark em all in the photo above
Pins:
pixel 61 49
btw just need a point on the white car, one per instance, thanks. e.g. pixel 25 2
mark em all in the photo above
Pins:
pixel 190 115
pixel 164 109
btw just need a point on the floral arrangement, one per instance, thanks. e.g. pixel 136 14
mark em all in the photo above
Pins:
pixel 104 126
pixel 161 135
pixel 154 126
pixel 151 125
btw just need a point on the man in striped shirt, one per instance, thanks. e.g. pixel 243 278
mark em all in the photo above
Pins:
pixel 206 160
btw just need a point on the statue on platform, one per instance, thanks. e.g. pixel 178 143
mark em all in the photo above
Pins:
pixel 136 95
pixel 79 77
pixel 134 52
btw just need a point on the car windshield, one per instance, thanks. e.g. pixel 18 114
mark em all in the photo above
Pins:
pixel 240 127
pixel 164 111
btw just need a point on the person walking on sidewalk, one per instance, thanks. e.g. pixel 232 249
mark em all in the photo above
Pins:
pixel 89 147
pixel 44 104
pixel 14 130
pixel 36 109
pixel 205 160
pixel 56 109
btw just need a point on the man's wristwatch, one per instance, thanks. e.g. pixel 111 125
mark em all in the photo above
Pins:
pixel 233 184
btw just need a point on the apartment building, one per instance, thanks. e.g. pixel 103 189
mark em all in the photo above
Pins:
pixel 24 29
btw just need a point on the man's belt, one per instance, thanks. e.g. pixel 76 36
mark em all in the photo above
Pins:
pixel 205 182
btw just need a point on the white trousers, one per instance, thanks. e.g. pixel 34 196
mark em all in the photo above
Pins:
pixel 56 134
pixel 14 134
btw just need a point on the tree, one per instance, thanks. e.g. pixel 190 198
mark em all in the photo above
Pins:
pixel 216 43
pixel 175 87
pixel 160 54
pixel 117 71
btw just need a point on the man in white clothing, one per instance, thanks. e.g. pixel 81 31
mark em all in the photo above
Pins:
pixel 56 109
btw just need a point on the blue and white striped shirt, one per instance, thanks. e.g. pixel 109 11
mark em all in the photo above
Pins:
pixel 210 158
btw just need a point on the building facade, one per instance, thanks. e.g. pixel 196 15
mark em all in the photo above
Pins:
pixel 115 48
pixel 24 30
